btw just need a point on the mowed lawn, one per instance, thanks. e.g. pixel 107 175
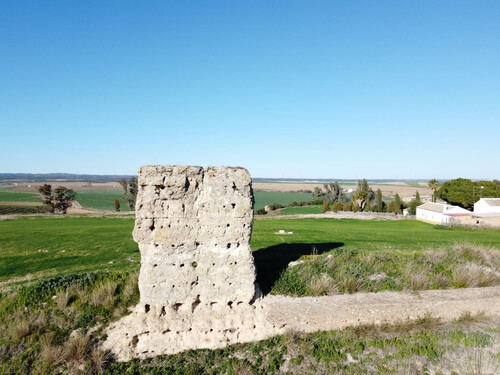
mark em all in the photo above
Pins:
pixel 64 245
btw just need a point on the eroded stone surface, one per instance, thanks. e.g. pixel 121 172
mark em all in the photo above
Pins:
pixel 197 277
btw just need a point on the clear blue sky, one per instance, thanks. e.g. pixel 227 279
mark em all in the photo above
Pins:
pixel 325 89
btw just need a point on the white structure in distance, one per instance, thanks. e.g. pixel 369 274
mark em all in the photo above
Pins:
pixel 439 213
pixel 487 206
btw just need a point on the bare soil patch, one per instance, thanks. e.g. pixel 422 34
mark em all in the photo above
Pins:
pixel 309 314
pixel 20 203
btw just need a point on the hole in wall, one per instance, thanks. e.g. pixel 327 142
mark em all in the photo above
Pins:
pixel 230 303
pixel 176 306
pixel 135 340
pixel 146 308
pixel 228 245
pixel 163 312
pixel 194 264
pixel 234 205
pixel 195 304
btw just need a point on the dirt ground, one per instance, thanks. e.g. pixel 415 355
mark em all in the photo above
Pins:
pixel 310 314
pixel 388 189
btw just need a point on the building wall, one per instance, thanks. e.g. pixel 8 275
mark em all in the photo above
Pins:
pixel 482 207
pixel 432 217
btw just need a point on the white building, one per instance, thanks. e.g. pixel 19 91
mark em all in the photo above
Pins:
pixel 439 213
pixel 487 206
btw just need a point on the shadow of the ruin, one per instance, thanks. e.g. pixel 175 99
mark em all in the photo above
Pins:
pixel 272 261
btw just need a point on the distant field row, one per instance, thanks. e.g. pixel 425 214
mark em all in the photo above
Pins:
pixel 104 199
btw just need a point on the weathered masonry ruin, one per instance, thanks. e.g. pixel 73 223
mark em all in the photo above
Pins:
pixel 193 227
pixel 197 277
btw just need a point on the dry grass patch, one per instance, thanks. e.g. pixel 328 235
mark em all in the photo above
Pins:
pixel 322 284
pixel 20 329
pixel 104 295
pixel 62 299
pixel 471 275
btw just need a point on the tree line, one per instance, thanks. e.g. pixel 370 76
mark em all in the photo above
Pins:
pixel 364 199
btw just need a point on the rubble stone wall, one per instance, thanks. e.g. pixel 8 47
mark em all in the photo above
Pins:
pixel 197 279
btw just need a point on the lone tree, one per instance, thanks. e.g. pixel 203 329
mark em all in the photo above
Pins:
pixel 434 185
pixel 380 202
pixel 363 194
pixel 412 207
pixel 395 205
pixel 59 201
pixel 331 194
pixel 129 191
pixel 117 205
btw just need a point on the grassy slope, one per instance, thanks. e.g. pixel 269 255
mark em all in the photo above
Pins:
pixel 264 198
pixel 18 196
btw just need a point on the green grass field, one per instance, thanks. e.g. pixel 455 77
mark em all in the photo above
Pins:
pixel 264 198
pixel 406 235
pixel 64 245
pixel 18 196
pixel 101 199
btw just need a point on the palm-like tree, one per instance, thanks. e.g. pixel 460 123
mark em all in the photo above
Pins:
pixel 434 185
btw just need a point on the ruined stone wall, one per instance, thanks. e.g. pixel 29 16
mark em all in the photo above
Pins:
pixel 197 277
pixel 193 226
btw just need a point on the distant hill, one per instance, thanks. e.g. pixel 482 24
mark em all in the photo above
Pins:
pixel 324 180
pixel 40 177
